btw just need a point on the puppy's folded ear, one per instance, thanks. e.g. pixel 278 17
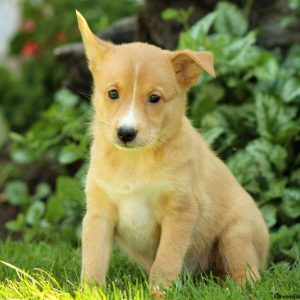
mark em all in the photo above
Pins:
pixel 188 65
pixel 95 48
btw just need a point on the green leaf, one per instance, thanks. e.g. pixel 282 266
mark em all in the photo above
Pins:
pixel 295 177
pixel 230 20
pixel 278 156
pixel 16 192
pixel 263 150
pixel 55 209
pixel 240 53
pixel 170 14
pixel 186 41
pixel 43 190
pixel 291 202
pixel 70 154
pixel 287 21
pixel 69 188
pixel 294 251
pixel 206 101
pixel 292 62
pixel 294 4
pixel 200 29
pixel 16 137
pixel 212 134
pixel 35 213
pixel 67 200
pixel 245 170
pixel 275 120
pixel 22 156
pixel 267 67
pixel 282 238
pixel 16 225
pixel 274 191
pixel 290 89
pixel 254 166
pixel 66 98
pixel 269 212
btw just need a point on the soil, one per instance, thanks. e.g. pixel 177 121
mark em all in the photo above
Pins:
pixel 7 213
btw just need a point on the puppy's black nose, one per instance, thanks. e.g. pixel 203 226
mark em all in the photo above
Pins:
pixel 126 134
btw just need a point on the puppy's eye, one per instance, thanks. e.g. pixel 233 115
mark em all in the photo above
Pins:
pixel 154 98
pixel 113 94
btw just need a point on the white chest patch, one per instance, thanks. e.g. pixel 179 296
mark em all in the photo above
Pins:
pixel 135 211
pixel 137 221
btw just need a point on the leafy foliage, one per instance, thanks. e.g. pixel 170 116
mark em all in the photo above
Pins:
pixel 58 139
pixel 42 29
pixel 181 15
pixel 43 129
pixel 250 115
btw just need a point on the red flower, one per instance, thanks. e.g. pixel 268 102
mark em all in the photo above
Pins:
pixel 28 26
pixel 60 37
pixel 29 49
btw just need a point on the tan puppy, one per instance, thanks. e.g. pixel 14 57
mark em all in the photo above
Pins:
pixel 153 185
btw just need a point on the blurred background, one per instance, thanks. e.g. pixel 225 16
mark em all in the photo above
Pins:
pixel 249 113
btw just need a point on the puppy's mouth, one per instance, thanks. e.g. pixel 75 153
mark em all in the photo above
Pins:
pixel 128 145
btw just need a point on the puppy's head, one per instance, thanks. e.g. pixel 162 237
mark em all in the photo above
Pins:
pixel 139 89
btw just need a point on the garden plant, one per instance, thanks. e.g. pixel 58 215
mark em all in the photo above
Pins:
pixel 249 113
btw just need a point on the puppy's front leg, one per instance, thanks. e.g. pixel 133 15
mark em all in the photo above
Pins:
pixel 176 231
pixel 97 242
pixel 98 229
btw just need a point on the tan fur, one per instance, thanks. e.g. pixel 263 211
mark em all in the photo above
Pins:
pixel 167 200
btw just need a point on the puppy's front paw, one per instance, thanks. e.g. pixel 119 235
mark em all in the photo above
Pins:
pixel 160 278
pixel 92 279
pixel 157 292
pixel 247 278
pixel 92 282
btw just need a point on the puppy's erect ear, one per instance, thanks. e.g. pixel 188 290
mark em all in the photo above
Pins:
pixel 95 48
pixel 188 65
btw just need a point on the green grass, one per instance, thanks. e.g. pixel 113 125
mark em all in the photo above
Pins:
pixel 44 271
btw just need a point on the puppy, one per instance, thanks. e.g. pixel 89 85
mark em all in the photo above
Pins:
pixel 154 186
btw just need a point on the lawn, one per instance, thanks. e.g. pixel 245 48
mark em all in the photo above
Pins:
pixel 51 271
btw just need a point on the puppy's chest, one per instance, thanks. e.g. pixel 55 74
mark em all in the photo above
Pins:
pixel 137 205
pixel 137 220
pixel 136 211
